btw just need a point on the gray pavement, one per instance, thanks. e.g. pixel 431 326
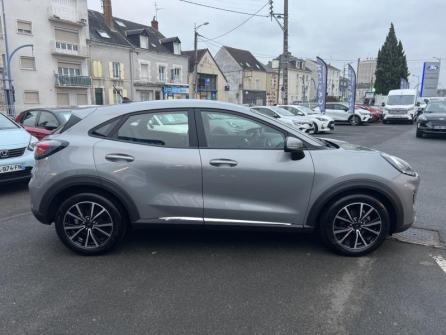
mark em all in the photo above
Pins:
pixel 219 282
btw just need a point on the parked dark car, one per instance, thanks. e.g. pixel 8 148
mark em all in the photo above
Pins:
pixel 43 121
pixel 433 119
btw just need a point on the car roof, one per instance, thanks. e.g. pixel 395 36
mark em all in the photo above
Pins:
pixel 402 92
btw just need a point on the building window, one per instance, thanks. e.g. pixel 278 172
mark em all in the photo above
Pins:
pixel 157 95
pixel 120 23
pixel 144 71
pixel 117 96
pixel 31 97
pixel 144 41
pixel 257 84
pixel 71 70
pixel 103 34
pixel 63 99
pixel 27 63
pixel 116 70
pixel 175 75
pixel 67 41
pixel 146 95
pixel 162 73
pixel 24 27
pixel 177 48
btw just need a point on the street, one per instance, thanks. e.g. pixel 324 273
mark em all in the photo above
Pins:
pixel 192 281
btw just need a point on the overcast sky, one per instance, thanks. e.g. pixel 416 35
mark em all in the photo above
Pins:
pixel 339 31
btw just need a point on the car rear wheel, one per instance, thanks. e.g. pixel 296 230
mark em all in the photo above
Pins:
pixel 90 224
pixel 354 120
pixel 355 225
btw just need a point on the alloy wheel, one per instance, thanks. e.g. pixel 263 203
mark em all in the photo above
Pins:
pixel 357 226
pixel 88 225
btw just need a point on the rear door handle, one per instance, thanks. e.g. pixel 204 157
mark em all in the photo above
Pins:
pixel 223 162
pixel 119 157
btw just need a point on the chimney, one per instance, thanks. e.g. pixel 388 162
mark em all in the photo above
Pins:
pixel 108 14
pixel 154 23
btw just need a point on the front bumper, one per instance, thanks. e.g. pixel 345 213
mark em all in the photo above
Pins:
pixel 398 117
pixel 432 129
pixel 26 161
pixel 326 126
pixel 406 188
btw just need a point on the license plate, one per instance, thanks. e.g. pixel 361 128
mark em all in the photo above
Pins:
pixel 439 127
pixel 11 168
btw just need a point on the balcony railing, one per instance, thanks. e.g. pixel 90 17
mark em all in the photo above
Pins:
pixel 63 48
pixel 66 14
pixel 72 81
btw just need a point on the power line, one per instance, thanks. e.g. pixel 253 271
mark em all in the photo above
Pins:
pixel 238 26
pixel 222 9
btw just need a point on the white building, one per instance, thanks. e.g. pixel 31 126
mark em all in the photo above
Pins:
pixel 333 78
pixel 55 71
pixel 366 78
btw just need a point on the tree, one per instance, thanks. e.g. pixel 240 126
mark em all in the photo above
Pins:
pixel 391 64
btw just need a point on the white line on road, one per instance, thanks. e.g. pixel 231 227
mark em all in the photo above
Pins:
pixel 441 262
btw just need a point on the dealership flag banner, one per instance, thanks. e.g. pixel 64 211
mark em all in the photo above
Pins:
pixel 404 84
pixel 322 87
pixel 351 89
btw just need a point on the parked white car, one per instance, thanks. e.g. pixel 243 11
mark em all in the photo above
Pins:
pixel 401 105
pixel 16 151
pixel 338 111
pixel 286 117
pixel 322 123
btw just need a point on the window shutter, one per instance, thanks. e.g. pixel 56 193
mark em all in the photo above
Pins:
pixel 110 68
pixel 121 67
pixel 94 69
pixel 111 99
pixel 124 93
pixel 99 69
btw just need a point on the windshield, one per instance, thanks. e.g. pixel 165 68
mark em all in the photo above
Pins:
pixel 394 100
pixel 307 110
pixel 5 123
pixel 436 107
pixel 282 111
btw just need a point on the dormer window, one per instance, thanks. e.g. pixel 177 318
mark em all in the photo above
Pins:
pixel 144 41
pixel 120 23
pixel 177 48
pixel 103 34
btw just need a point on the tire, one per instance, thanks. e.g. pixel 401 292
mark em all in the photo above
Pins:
pixel 316 129
pixel 100 229
pixel 419 133
pixel 354 120
pixel 350 242
pixel 385 121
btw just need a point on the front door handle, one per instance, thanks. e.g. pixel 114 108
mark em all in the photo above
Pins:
pixel 119 157
pixel 223 162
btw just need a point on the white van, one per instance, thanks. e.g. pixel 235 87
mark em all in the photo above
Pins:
pixel 401 105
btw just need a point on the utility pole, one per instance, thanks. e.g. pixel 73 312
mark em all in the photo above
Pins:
pixel 285 52
pixel 195 79
pixel 284 59
pixel 7 90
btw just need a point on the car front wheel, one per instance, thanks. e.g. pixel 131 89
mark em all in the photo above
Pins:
pixel 90 224
pixel 419 133
pixel 355 120
pixel 316 129
pixel 355 225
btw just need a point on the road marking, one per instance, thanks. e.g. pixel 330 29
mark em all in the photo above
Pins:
pixel 441 262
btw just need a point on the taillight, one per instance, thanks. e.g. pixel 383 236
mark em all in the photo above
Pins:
pixel 46 148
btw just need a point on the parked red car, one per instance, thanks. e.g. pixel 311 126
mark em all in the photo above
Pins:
pixel 42 122
pixel 376 113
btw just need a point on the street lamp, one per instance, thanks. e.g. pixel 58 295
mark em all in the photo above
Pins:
pixel 195 90
pixel 7 59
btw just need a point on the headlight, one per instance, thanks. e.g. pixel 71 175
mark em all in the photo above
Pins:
pixel 32 143
pixel 399 164
pixel 320 119
pixel 299 123
pixel 422 118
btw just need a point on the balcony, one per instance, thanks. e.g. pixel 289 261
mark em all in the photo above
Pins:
pixel 66 15
pixel 66 49
pixel 73 81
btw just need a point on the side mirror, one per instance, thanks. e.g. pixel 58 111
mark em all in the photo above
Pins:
pixel 295 147
pixel 276 116
pixel 383 104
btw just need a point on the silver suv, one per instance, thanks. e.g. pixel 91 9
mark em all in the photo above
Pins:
pixel 210 163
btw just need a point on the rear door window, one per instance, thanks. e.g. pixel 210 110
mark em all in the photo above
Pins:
pixel 30 119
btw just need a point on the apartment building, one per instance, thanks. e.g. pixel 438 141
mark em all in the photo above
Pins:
pixel 54 71
pixel 366 78
pixel 333 79
pixel 246 76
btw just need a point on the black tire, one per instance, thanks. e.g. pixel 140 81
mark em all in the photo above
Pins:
pixel 419 133
pixel 385 121
pixel 316 129
pixel 329 221
pixel 110 226
pixel 354 120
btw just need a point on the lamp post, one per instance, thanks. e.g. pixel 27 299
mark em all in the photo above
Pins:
pixel 195 90
pixel 7 59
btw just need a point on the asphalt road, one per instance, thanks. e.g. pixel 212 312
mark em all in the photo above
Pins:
pixel 219 282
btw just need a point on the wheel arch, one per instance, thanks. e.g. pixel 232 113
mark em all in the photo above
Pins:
pixel 92 184
pixel 372 188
